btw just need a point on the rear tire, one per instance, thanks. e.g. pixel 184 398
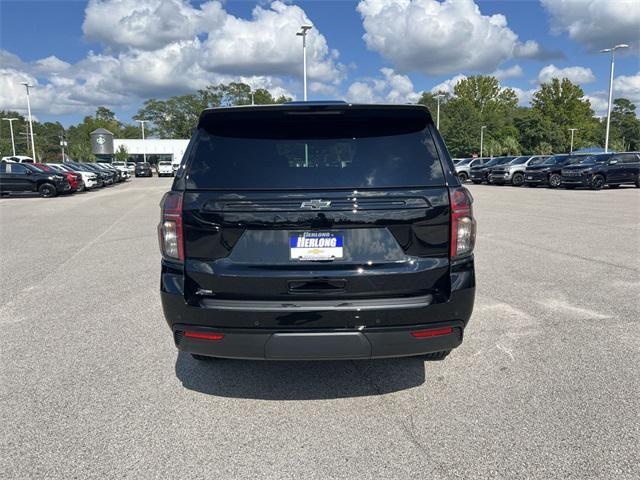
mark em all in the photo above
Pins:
pixel 597 182
pixel 463 177
pixel 435 356
pixel 46 190
pixel 517 179
pixel 555 180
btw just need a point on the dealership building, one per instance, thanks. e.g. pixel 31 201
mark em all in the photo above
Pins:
pixel 104 147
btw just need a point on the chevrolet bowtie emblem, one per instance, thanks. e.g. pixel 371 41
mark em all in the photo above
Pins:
pixel 315 204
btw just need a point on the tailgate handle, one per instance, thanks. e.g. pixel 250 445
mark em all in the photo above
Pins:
pixel 317 286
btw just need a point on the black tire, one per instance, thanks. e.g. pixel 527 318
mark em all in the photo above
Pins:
pixel 47 190
pixel 517 180
pixel 555 180
pixel 597 182
pixel 463 177
pixel 435 356
pixel 477 182
pixel 614 186
pixel 201 358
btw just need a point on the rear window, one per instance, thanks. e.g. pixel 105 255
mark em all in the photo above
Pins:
pixel 305 151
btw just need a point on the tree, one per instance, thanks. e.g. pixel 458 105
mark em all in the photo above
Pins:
pixel 121 154
pixel 562 105
pixel 625 126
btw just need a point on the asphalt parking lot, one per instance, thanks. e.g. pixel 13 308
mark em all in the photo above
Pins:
pixel 545 385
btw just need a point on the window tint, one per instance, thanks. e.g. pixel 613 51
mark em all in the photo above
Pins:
pixel 17 168
pixel 627 158
pixel 344 160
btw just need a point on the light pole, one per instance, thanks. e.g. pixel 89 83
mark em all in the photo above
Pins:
pixel 439 96
pixel 63 142
pixel 144 150
pixel 303 33
pixel 613 54
pixel 13 143
pixel 482 138
pixel 33 145
pixel 572 130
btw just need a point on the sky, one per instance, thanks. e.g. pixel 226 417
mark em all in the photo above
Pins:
pixel 117 53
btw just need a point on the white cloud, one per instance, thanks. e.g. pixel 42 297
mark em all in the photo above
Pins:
pixel 512 72
pixel 268 44
pixel 599 102
pixel 148 24
pixel 392 88
pixel 596 23
pixel 524 96
pixel 440 37
pixel 575 74
pixel 156 48
pixel 628 86
pixel 448 85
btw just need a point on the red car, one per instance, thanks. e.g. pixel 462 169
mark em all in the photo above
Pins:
pixel 75 179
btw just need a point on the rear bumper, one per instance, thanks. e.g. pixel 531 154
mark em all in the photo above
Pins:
pixel 256 344
pixel 322 329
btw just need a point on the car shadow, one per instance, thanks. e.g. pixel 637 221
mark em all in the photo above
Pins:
pixel 277 380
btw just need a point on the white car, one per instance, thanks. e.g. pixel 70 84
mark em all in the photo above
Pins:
pixel 90 179
pixel 165 169
pixel 18 159
pixel 122 167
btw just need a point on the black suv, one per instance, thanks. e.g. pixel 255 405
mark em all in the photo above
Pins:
pixel 548 172
pixel 316 230
pixel 25 178
pixel 143 169
pixel 481 173
pixel 596 171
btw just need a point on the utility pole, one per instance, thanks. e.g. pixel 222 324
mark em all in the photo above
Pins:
pixel 63 143
pixel 439 96
pixel 482 138
pixel 33 145
pixel 303 33
pixel 613 54
pixel 144 150
pixel 572 130
pixel 13 143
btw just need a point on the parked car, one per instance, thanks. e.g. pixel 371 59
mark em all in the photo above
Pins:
pixel 143 169
pixel 322 231
pixel 480 174
pixel 463 168
pixel 18 159
pixel 125 174
pixel 119 175
pixel 165 169
pixel 109 177
pixel 513 172
pixel 596 171
pixel 91 179
pixel 548 172
pixel 25 178
pixel 74 178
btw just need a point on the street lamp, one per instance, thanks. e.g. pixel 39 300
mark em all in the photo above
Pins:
pixel 63 143
pixel 439 96
pixel 144 150
pixel 572 130
pixel 613 54
pixel 33 145
pixel 303 33
pixel 482 138
pixel 13 143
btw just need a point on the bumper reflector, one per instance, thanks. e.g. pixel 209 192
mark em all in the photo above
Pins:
pixel 204 336
pixel 432 333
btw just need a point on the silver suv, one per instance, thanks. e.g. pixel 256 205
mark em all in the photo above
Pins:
pixel 463 167
pixel 513 172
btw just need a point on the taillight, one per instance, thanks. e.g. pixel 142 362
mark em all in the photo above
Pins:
pixel 463 225
pixel 170 227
